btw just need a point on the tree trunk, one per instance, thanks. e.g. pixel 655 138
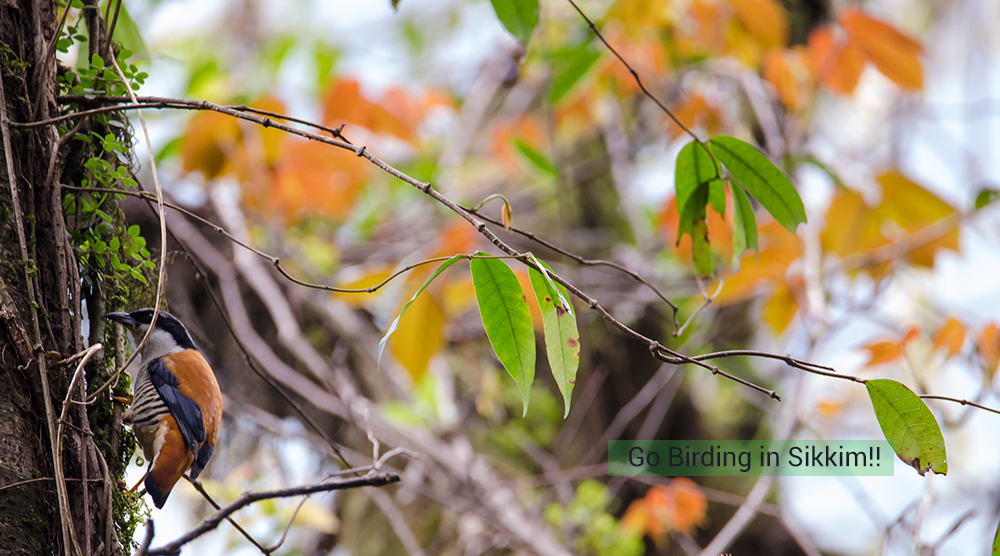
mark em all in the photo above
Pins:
pixel 40 321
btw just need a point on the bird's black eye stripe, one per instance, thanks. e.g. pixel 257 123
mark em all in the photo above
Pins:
pixel 168 323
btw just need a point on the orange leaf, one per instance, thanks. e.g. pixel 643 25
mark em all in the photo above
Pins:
pixel 344 103
pixel 502 136
pixel 680 506
pixel 311 178
pixel 778 249
pixel 207 140
pixel 950 335
pixel 636 518
pixel 989 347
pixel 764 19
pixel 704 34
pixel 695 111
pixel 779 72
pixel 895 54
pixel 883 352
pixel 835 62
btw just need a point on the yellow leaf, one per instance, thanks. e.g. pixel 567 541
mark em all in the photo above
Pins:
pixel 950 335
pixel 830 409
pixel 371 277
pixel 913 208
pixel 420 332
pixel 989 348
pixel 895 54
pixel 764 19
pixel 835 63
pixel 781 308
pixel 851 226
pixel 459 295
pixel 639 18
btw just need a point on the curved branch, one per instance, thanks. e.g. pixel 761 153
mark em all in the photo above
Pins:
pixel 248 498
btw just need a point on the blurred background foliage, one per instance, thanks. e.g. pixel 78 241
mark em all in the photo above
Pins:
pixel 873 109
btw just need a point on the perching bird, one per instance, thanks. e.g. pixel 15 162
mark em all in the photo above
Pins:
pixel 176 406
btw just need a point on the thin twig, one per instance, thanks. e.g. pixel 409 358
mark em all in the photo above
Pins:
pixel 41 479
pixel 284 532
pixel 163 232
pixel 708 300
pixel 58 463
pixel 248 498
pixel 961 401
pixel 201 489
pixel 271 258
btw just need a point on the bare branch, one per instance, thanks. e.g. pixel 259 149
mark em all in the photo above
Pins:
pixel 960 401
pixel 201 489
pixel 248 498
pixel 144 547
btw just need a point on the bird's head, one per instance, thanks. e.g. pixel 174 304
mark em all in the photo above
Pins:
pixel 169 335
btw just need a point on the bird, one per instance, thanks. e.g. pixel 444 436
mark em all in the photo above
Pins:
pixel 176 404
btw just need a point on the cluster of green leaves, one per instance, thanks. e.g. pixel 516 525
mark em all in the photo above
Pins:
pixel 101 78
pixel 506 317
pixel 699 184
pixel 598 532
pixel 108 254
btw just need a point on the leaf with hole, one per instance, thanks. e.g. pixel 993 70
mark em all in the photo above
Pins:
pixel 762 179
pixel 506 318
pixel 562 338
pixel 908 425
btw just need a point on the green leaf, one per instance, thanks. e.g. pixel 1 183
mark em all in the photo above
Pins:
pixel 744 225
pixel 701 249
pixel 694 167
pixel 537 159
pixel 762 179
pixel 569 65
pixel 562 339
pixel 519 16
pixel 127 32
pixel 693 212
pixel 996 542
pixel 506 318
pixel 717 195
pixel 395 323
pixel 908 425
pixel 985 197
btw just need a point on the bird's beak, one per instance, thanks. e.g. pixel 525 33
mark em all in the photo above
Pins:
pixel 123 318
